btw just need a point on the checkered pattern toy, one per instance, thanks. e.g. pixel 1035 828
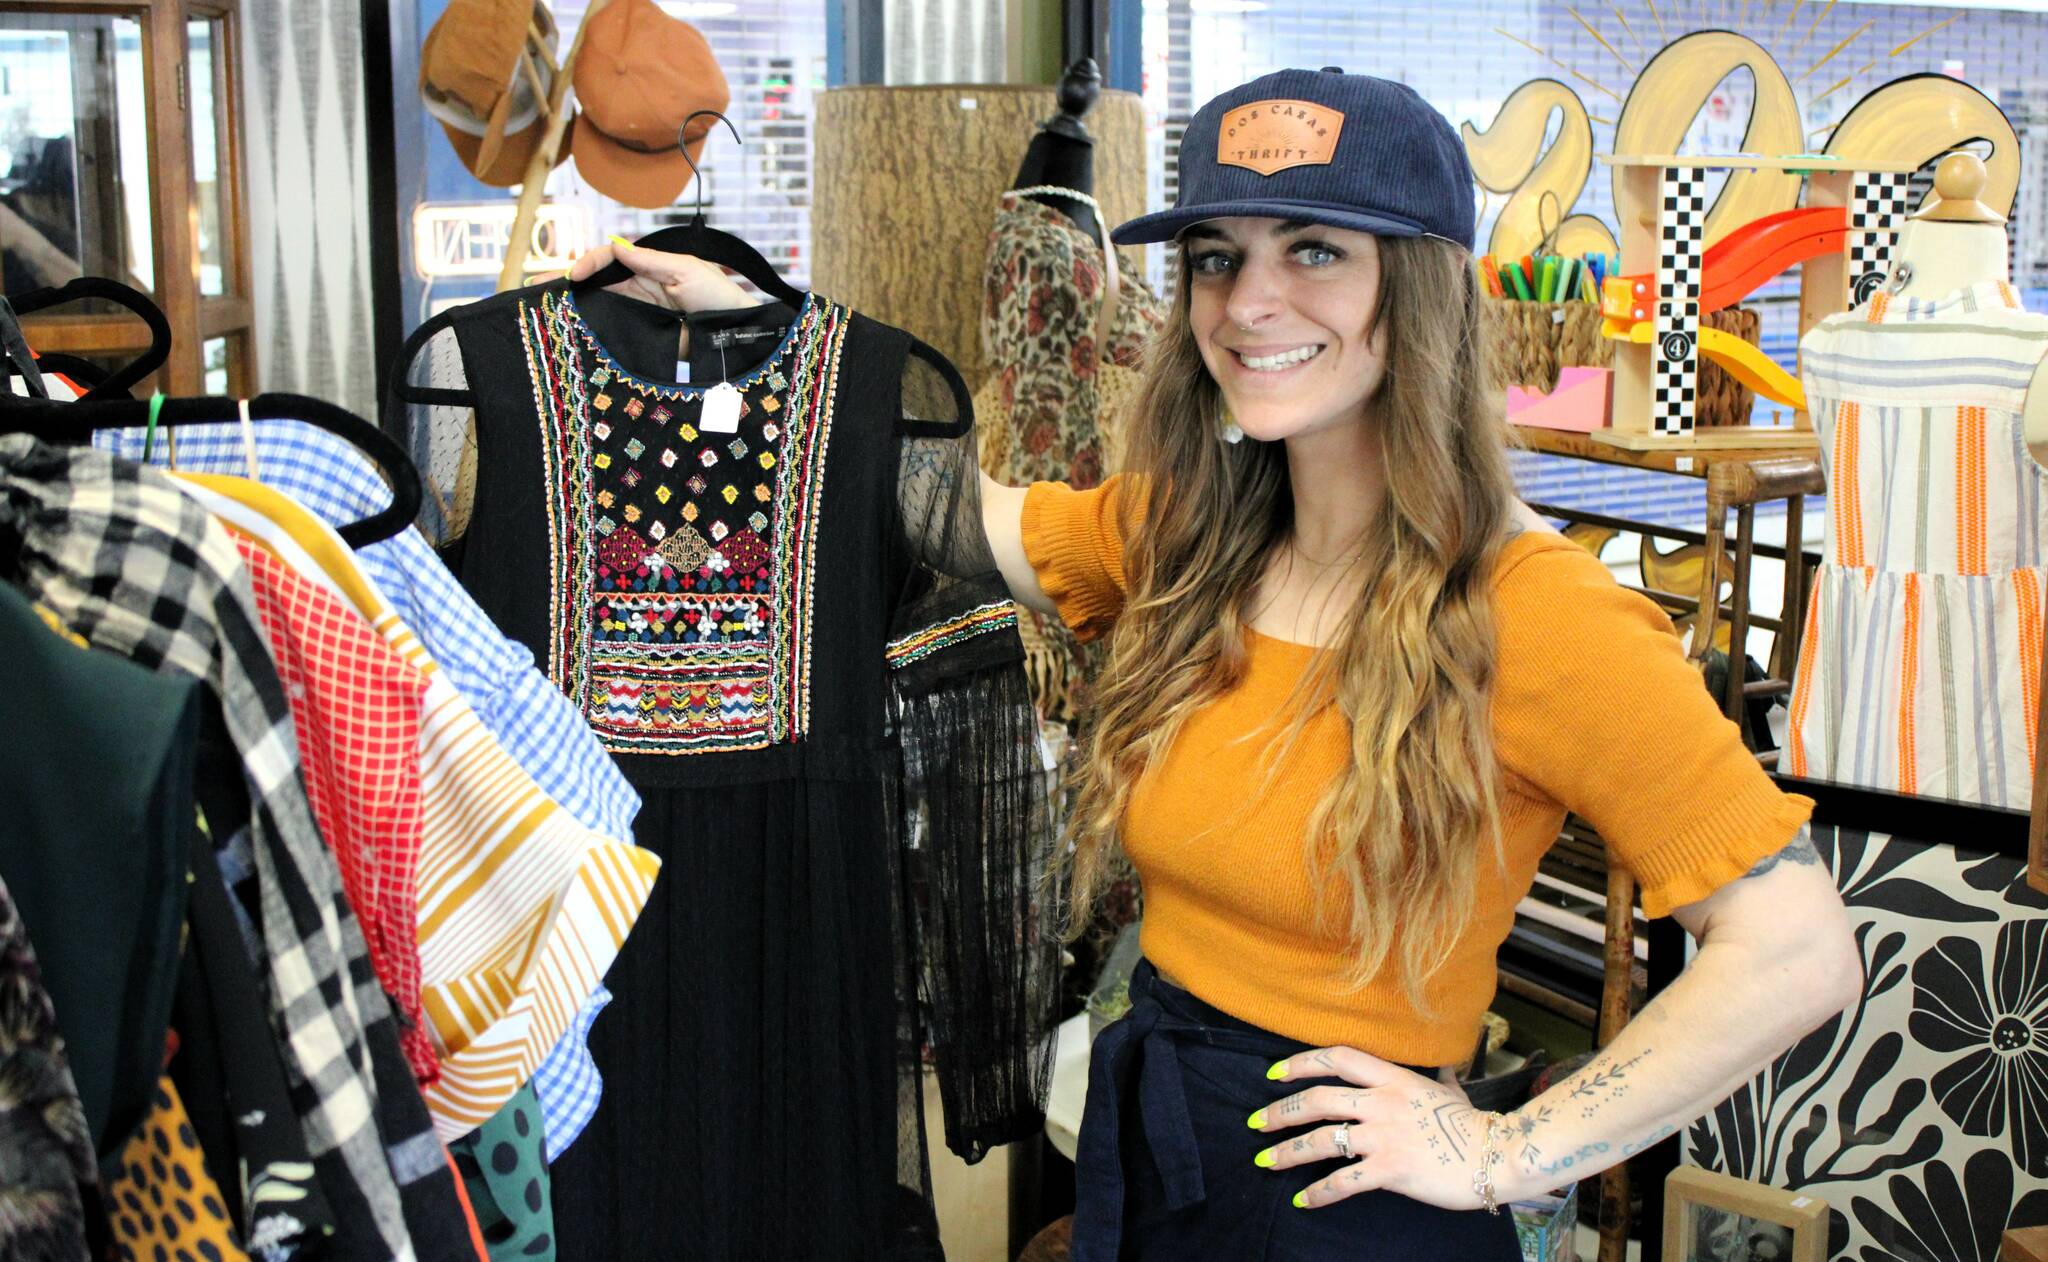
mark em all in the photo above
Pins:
pixel 1877 207
pixel 1681 234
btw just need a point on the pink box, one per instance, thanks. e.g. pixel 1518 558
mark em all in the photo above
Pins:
pixel 1581 401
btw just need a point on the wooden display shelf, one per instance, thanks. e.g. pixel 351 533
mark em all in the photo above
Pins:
pixel 1756 162
pixel 1752 439
pixel 1690 454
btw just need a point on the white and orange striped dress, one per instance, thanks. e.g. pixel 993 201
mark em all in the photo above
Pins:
pixel 1920 666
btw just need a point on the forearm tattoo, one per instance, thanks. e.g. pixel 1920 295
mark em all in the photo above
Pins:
pixel 1801 852
pixel 1593 1086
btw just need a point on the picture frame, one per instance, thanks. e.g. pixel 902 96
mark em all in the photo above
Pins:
pixel 1714 1217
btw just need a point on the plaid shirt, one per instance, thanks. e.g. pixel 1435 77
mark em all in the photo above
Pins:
pixel 534 722
pixel 127 561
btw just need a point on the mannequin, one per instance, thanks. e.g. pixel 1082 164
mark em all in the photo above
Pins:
pixel 1062 154
pixel 1931 408
pixel 1957 241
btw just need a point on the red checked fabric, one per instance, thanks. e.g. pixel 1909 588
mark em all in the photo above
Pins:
pixel 355 704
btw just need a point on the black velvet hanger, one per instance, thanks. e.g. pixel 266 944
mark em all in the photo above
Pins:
pixel 75 423
pixel 124 378
pixel 81 371
pixel 700 240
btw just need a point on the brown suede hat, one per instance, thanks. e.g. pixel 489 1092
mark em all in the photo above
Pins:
pixel 484 76
pixel 639 73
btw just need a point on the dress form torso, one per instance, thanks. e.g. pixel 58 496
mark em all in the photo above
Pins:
pixel 1935 256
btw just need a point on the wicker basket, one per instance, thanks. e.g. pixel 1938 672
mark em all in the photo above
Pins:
pixel 1538 338
pixel 1722 400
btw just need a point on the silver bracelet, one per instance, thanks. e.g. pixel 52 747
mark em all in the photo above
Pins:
pixel 1482 1178
pixel 1054 190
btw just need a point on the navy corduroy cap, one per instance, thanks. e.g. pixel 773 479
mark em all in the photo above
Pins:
pixel 1321 146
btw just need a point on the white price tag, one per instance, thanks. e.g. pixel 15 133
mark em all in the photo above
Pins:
pixel 683 371
pixel 721 410
pixel 1682 463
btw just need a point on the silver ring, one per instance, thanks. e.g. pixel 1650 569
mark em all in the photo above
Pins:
pixel 1343 1138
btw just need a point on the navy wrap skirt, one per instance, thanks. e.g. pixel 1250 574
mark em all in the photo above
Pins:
pixel 1164 1170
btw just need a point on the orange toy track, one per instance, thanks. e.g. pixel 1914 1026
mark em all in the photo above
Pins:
pixel 1735 265
pixel 1730 271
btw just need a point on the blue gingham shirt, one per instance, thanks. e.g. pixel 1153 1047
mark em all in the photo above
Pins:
pixel 536 724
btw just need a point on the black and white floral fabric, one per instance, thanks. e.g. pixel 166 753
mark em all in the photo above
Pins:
pixel 1921 1113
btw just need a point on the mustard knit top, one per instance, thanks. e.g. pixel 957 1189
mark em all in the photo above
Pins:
pixel 1596 711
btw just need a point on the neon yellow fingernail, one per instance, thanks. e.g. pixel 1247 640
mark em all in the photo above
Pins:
pixel 1278 1071
pixel 1258 1120
pixel 617 240
pixel 1264 1159
pixel 1301 1200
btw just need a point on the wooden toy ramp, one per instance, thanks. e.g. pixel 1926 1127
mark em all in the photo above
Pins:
pixel 1741 360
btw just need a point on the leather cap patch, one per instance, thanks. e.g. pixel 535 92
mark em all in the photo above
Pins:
pixel 1271 136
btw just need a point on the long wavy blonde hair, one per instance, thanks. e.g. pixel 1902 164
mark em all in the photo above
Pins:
pixel 1402 830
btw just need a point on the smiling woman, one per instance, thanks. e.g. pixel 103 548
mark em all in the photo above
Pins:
pixel 1285 314
pixel 1353 687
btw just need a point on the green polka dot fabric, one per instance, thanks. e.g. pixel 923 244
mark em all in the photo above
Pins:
pixel 505 1169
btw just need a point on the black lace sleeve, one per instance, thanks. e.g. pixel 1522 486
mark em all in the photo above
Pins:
pixel 976 821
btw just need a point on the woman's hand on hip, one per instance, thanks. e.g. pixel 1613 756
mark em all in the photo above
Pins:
pixel 1406 1133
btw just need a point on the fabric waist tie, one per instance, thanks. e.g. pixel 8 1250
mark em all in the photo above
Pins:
pixel 1142 1050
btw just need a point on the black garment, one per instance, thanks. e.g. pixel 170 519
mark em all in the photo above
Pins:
pixel 789 638
pixel 96 769
pixel 227 1068
pixel 1165 1172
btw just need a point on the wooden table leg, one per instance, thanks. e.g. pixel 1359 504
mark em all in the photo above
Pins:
pixel 1616 1006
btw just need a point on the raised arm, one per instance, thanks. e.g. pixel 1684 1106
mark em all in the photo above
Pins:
pixel 1002 515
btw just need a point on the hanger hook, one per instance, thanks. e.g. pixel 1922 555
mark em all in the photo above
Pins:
pixel 682 146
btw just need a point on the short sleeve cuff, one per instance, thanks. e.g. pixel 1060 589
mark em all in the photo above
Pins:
pixel 1722 845
pixel 1070 541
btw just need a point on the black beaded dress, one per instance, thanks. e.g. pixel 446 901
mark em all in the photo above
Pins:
pixel 790 635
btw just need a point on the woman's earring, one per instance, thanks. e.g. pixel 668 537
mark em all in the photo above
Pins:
pixel 1231 432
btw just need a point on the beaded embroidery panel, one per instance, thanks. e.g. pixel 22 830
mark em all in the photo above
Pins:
pixel 922 643
pixel 682 563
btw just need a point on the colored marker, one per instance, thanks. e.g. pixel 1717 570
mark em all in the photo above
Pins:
pixel 1521 281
